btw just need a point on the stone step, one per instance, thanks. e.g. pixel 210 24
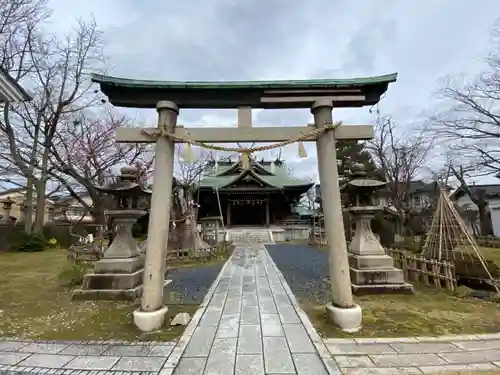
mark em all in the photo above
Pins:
pixel 403 288
pixel 377 276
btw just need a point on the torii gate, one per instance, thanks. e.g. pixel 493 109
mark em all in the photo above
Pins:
pixel 321 96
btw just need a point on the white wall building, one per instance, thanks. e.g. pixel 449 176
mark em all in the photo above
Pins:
pixel 492 196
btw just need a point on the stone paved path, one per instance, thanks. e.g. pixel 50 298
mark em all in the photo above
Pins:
pixel 250 323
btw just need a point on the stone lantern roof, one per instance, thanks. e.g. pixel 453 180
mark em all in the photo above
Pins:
pixel 126 184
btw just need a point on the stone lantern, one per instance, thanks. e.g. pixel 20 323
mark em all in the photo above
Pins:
pixel 371 269
pixel 118 275
pixel 7 208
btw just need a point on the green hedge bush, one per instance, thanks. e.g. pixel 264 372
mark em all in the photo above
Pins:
pixel 31 242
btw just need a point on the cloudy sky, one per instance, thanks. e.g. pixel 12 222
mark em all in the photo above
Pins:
pixel 422 40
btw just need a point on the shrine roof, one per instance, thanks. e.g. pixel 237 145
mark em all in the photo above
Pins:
pixel 352 92
pixel 276 177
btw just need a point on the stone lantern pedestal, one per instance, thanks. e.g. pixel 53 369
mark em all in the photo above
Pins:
pixel 118 275
pixel 372 270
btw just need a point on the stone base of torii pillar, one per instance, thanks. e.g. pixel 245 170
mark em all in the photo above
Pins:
pixel 372 270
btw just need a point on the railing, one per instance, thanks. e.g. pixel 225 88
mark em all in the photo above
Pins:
pixel 430 272
pixel 90 253
pixel 290 222
pixel 221 251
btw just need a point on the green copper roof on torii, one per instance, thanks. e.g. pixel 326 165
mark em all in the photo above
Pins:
pixel 283 84
pixel 354 92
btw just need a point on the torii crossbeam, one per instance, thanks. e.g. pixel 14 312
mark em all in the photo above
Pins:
pixel 321 96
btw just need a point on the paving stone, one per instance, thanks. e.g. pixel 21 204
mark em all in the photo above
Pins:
pixel 166 371
pixel 139 364
pixel 210 318
pixel 249 364
pixel 288 315
pixel 356 349
pixel 250 340
pixel 459 368
pixel 160 351
pixel 201 342
pixel 47 360
pixel 478 344
pixel 232 306
pixel 281 299
pixel 92 363
pixel 81 349
pixel 264 294
pixel 298 339
pixel 271 325
pixel 309 364
pixel 382 371
pixel 429 347
pixel 222 357
pixel 267 306
pixel 250 315
pixel 9 358
pixel 378 340
pixel 218 300
pixel 127 350
pixel 407 360
pixel 228 326
pixel 11 346
pixel 354 361
pixel 471 357
pixel 489 336
pixel 249 299
pixel 277 356
pixel 339 341
pixel 43 348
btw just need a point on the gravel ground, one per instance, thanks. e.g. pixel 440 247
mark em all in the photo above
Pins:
pixel 190 285
pixel 305 270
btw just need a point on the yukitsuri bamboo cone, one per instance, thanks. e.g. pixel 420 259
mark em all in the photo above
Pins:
pixel 448 233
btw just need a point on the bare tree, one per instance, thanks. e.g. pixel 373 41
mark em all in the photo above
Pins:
pixel 470 122
pixel 188 172
pixel 478 196
pixel 184 232
pixel 84 153
pixel 400 159
pixel 469 126
pixel 58 83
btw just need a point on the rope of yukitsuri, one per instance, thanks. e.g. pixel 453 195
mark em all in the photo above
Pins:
pixel 243 150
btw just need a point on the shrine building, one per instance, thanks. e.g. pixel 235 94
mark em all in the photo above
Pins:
pixel 261 195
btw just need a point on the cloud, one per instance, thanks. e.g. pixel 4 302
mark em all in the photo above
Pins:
pixel 422 40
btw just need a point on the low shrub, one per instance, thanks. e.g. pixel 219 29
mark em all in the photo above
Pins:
pixel 31 242
pixel 53 242
pixel 72 274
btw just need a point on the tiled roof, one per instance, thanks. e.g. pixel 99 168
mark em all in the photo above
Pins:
pixel 289 84
pixel 489 191
pixel 276 176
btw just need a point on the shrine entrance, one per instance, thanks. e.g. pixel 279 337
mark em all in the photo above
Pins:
pixel 247 212
pixel 320 96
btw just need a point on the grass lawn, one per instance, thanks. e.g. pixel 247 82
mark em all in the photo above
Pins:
pixel 34 305
pixel 491 253
pixel 427 313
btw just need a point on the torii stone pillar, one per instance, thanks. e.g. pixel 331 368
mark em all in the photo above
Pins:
pixel 151 314
pixel 342 310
